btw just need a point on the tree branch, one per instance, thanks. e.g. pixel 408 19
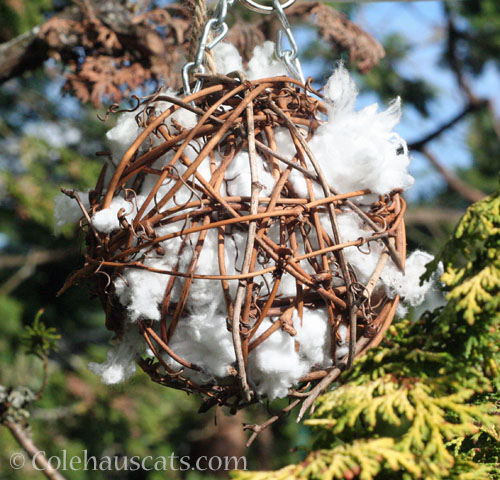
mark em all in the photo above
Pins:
pixel 32 450
pixel 457 66
pixel 346 36
pixel 28 264
pixel 20 54
pixel 469 108
pixel 71 28
pixel 422 215
pixel 464 190
pixel 37 257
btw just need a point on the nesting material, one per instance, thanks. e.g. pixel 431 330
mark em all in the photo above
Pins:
pixel 244 246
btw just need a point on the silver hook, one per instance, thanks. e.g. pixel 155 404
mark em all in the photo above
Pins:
pixel 289 57
pixel 257 7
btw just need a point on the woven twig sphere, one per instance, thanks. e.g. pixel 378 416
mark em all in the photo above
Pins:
pixel 186 195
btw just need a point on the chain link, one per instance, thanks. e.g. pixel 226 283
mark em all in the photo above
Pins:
pixel 218 26
pixel 289 57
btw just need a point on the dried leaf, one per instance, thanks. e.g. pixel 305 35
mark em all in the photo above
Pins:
pixel 245 37
pixel 338 30
pixel 120 52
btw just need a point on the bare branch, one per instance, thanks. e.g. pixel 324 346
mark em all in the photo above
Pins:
pixel 37 257
pixel 469 108
pixel 422 215
pixel 27 265
pixel 21 53
pixel 464 190
pixel 23 438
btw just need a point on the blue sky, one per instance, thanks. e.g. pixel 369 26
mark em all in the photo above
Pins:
pixel 422 24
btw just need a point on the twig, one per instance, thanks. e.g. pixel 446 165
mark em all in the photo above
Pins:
pixel 258 428
pixel 464 190
pixel 15 280
pixel 33 451
pixel 28 264
pixel 432 215
pixel 330 378
pixel 469 108
pixel 39 394
pixel 319 388
pixel 37 257
pixel 252 229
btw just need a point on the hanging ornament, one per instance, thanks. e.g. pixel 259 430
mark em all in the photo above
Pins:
pixel 247 240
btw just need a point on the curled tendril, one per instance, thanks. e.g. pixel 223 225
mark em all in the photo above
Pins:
pixel 368 245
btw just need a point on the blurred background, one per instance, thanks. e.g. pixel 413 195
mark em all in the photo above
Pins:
pixel 442 58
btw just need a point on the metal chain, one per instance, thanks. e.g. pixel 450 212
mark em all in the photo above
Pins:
pixel 289 57
pixel 218 25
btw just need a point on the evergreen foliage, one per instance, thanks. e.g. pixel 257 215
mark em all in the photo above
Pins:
pixel 426 403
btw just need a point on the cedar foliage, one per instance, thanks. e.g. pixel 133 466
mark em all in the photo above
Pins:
pixel 426 403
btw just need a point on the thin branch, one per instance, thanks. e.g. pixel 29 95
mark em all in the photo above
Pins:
pixel 252 230
pixel 25 272
pixel 457 66
pixel 37 257
pixel 21 53
pixel 23 438
pixel 464 190
pixel 256 429
pixel 456 63
pixel 469 108
pixel 333 374
pixel 415 216
pixel 45 381
pixel 28 264
pixel 494 119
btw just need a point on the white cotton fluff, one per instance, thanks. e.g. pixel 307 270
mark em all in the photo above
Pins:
pixel 264 63
pixel 238 177
pixel 120 359
pixel 227 58
pixel 356 150
pixel 131 286
pixel 407 285
pixel 275 366
pixel 107 220
pixel 183 117
pixel 126 130
pixel 341 92
pixel 204 340
pixel 363 262
pixel 282 359
pixel 66 210
pixel 343 348
pixel 122 135
pixel 313 337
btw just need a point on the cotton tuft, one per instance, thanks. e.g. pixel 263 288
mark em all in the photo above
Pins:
pixel 120 359
pixel 66 210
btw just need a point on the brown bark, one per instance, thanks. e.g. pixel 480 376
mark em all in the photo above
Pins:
pixel 39 458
